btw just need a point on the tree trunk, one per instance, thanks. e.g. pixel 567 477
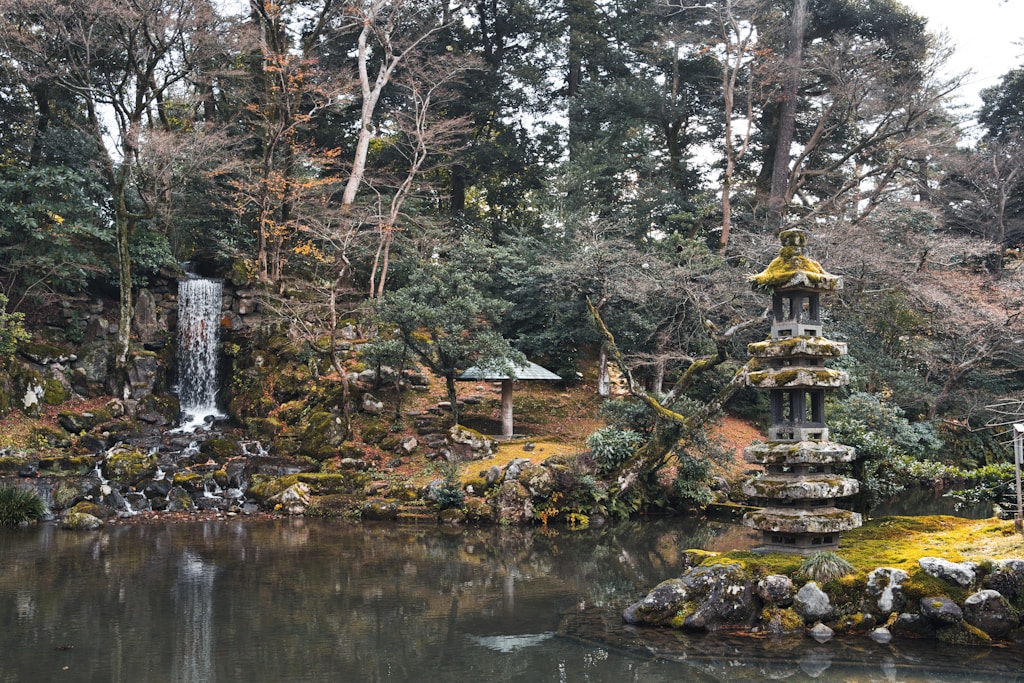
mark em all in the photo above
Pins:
pixel 122 342
pixel 787 117
pixel 603 380
pixel 449 383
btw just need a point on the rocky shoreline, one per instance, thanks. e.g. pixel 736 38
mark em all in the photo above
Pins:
pixel 958 603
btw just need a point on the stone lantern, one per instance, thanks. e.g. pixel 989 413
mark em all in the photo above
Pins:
pixel 799 488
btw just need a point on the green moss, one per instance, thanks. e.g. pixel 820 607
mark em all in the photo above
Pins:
pixel 129 466
pixel 920 584
pixel 192 479
pixel 54 392
pixel 90 508
pixel 220 448
pixel 684 612
pixel 759 564
pixel 963 633
pixel 11 463
pixel 802 345
pixel 797 376
pixel 778 620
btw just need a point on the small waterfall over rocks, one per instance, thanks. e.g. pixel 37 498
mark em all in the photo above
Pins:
pixel 199 312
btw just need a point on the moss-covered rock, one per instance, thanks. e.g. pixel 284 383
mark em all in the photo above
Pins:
pixel 179 500
pixel 778 620
pixel 77 423
pixel 379 509
pixel 963 633
pixel 129 466
pixel 324 433
pixel 90 508
pixel 47 437
pixel 56 390
pixel 220 448
pixel 81 521
pixel 335 505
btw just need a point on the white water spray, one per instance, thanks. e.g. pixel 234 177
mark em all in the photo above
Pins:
pixel 199 306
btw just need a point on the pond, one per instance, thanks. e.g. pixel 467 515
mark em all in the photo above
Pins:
pixel 313 600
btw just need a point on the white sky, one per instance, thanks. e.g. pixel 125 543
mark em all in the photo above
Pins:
pixel 986 36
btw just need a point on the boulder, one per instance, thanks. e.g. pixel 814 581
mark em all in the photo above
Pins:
pixel 81 521
pixel 294 500
pixel 884 593
pixel 779 620
pixel 962 574
pixel 941 610
pixel 468 444
pixel 913 625
pixel 776 589
pixel 537 480
pixel 881 635
pixel 1008 579
pixel 820 632
pixel 659 606
pixel 371 405
pixel 705 598
pixel 991 612
pixel 811 602
pixel 145 322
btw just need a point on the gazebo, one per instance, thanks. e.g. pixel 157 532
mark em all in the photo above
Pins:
pixel 528 371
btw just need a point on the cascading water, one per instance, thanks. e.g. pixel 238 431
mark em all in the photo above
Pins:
pixel 199 308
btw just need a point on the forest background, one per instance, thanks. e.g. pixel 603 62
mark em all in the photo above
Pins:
pixel 470 175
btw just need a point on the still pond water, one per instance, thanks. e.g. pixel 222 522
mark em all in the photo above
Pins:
pixel 304 600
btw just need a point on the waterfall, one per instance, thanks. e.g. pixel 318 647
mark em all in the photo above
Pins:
pixel 199 302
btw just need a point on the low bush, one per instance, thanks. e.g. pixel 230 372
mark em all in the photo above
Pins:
pixel 19 505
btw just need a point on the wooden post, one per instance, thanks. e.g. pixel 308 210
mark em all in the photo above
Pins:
pixel 506 408
pixel 1018 461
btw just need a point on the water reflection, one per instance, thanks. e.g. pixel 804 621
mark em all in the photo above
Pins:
pixel 307 600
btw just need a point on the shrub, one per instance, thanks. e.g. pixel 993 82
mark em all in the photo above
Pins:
pixel 449 493
pixel 612 446
pixel 825 566
pixel 12 330
pixel 691 480
pixel 19 505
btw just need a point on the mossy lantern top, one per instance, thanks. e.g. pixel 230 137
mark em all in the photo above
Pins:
pixel 793 269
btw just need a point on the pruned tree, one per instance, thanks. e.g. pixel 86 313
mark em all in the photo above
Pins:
pixel 445 320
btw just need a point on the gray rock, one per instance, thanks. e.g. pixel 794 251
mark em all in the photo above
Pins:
pixel 941 610
pixel 884 593
pixel 776 589
pixel 371 405
pixel 1008 579
pixel 513 469
pixel 659 606
pixel 294 499
pixel 820 632
pixel 811 602
pixel 881 635
pixel 961 573
pixel 409 445
pixel 81 521
pixel 1005 582
pixel 723 596
pixel 991 612
pixel 913 624
pixel 492 475
pixel 145 321
pixel 707 598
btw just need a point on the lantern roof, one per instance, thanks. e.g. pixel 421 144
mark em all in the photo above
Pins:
pixel 793 269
